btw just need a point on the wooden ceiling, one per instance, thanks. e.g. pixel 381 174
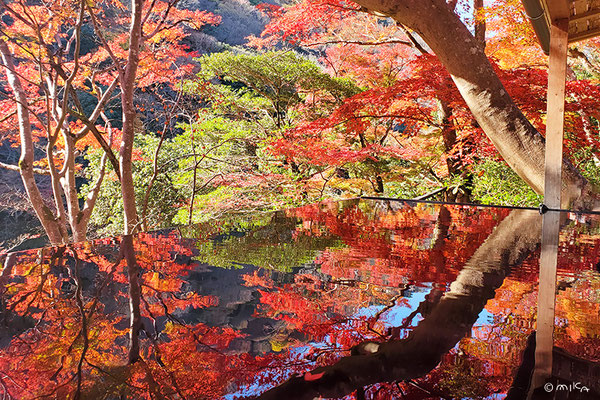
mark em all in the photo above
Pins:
pixel 584 16
pixel 584 19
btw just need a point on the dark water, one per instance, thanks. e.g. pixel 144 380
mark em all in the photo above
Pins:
pixel 355 299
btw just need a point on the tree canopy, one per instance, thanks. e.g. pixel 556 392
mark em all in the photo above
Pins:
pixel 331 100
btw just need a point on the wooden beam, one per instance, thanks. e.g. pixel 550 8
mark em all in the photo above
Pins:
pixel 579 36
pixel 585 15
pixel 557 9
pixel 544 331
pixel 555 115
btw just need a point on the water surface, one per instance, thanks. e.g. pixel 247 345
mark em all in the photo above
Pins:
pixel 372 298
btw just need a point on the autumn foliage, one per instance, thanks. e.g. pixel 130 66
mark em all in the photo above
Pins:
pixel 385 268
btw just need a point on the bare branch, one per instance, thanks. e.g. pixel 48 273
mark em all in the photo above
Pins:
pixel 99 109
pixel 159 27
pixel 100 139
pixel 39 171
pixel 90 201
pixel 105 44
pixel 360 42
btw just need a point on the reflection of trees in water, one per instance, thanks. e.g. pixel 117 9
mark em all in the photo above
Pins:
pixel 271 244
pixel 451 319
pixel 76 345
pixel 515 238
pixel 87 327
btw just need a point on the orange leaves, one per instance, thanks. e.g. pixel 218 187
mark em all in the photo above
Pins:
pixel 161 52
pixel 511 40
pixel 254 279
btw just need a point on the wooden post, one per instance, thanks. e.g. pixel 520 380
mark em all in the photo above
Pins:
pixel 544 335
pixel 552 199
pixel 557 73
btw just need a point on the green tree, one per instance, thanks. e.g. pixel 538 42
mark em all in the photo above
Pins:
pixel 252 100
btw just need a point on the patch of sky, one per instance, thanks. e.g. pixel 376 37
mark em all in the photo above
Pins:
pixel 485 318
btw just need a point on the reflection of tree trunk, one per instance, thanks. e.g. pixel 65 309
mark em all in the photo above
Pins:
pixel 510 243
pixel 436 256
pixel 74 274
pixel 520 386
pixel 135 293
pixel 9 262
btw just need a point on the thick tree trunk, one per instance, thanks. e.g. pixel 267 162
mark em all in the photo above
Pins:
pixel 519 143
pixel 44 214
pixel 129 115
pixel 513 240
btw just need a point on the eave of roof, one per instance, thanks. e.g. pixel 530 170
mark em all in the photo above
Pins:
pixel 583 16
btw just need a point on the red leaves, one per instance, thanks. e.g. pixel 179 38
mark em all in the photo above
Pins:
pixel 307 19
pixel 372 124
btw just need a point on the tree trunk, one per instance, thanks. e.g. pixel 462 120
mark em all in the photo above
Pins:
pixel 70 189
pixel 454 162
pixel 517 141
pixel 129 115
pixel 44 214
pixel 378 184
pixel 479 22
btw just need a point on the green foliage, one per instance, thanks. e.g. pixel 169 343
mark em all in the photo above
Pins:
pixel 279 76
pixel 495 183
pixel 164 199
pixel 266 87
pixel 221 162
pixel 249 240
pixel 587 164
pixel 251 99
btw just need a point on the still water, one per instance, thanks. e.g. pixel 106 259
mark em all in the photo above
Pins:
pixel 359 299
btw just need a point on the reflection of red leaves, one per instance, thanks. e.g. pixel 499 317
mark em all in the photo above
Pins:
pixel 254 279
pixel 309 377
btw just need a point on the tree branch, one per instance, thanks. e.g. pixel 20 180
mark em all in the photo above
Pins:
pixel 360 42
pixel 39 171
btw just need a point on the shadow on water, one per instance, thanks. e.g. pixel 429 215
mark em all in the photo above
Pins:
pixel 368 299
